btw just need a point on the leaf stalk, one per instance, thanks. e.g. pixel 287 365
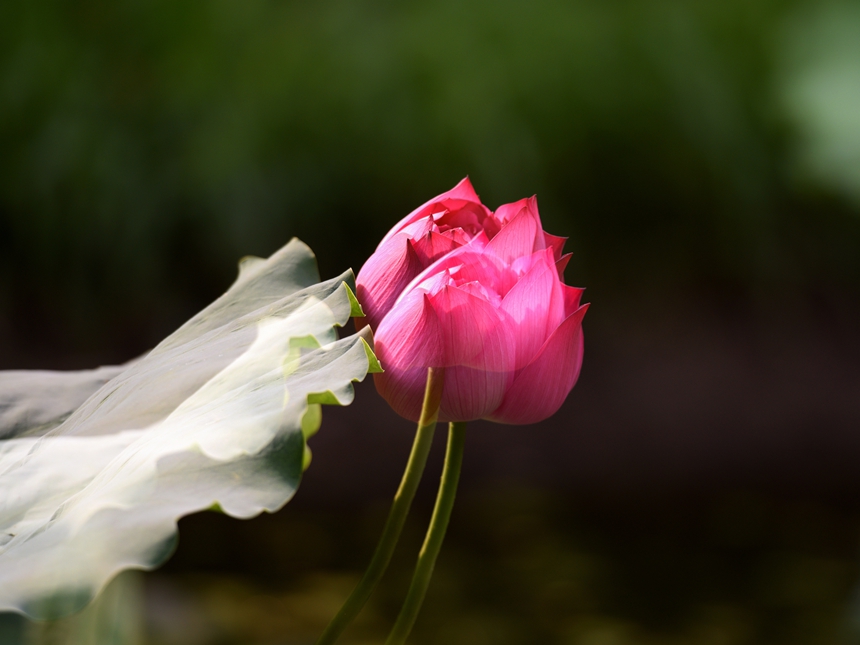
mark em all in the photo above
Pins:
pixel 399 509
pixel 435 535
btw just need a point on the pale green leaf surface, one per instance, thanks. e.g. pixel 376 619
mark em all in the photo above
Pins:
pixel 213 416
pixel 21 412
pixel 355 306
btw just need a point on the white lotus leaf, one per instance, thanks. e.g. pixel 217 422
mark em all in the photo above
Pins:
pixel 216 415
pixel 24 408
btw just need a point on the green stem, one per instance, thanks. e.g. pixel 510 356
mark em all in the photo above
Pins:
pixel 435 535
pixel 397 514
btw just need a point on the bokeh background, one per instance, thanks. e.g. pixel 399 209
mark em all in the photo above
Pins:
pixel 701 484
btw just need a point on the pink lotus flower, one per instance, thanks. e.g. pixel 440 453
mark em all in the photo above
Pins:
pixel 481 294
pixel 431 231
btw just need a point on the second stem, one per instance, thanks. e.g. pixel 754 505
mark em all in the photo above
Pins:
pixel 435 535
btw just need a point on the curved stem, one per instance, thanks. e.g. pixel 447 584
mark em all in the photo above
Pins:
pixel 397 514
pixel 435 535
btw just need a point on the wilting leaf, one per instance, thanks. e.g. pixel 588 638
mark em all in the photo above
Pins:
pixel 215 415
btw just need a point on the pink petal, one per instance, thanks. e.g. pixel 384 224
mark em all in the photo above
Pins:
pixel 418 228
pixel 451 329
pixel 407 343
pixel 517 238
pixel 463 191
pixel 539 389
pixel 572 296
pixel 471 394
pixel 480 241
pixel 506 212
pixel 536 307
pixel 432 246
pixel 459 236
pixel 384 276
pixel 467 256
pixel 485 269
pixel 461 214
pixel 474 333
pixel 477 289
pixel 479 354
pixel 555 243
pixel 561 264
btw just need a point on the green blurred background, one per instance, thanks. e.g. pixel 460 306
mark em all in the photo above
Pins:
pixel 701 483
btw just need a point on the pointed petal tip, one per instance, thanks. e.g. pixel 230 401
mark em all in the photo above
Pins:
pixel 561 265
pixel 463 190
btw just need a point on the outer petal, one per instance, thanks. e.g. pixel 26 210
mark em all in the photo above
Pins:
pixel 572 296
pixel 474 333
pixel 536 306
pixel 479 354
pixel 539 389
pixel 561 264
pixel 463 190
pixel 407 342
pixel 384 276
pixel 452 329
pixel 555 243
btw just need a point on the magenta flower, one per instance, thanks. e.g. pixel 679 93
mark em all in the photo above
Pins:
pixel 447 222
pixel 482 295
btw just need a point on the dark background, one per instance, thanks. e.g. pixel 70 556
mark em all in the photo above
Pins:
pixel 701 483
